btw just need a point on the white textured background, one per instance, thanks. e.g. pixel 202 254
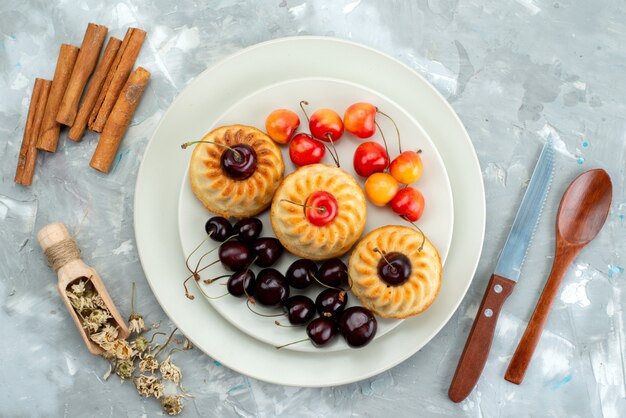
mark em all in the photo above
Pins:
pixel 514 71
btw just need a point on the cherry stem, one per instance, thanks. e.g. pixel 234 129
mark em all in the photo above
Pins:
pixel 302 104
pixel 419 229
pixel 288 344
pixel 384 140
pixel 333 153
pixel 238 155
pixel 187 294
pixel 327 286
pixel 395 126
pixel 206 295
pixel 196 276
pixel 209 281
pixel 256 257
pixel 321 208
pixel 382 254
pixel 260 314
pixel 210 251
pixel 249 298
pixel 287 326
pixel 192 253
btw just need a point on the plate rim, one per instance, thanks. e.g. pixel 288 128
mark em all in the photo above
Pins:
pixel 437 156
pixel 472 157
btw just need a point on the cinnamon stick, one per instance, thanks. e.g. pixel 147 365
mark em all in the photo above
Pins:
pixel 118 121
pixel 95 86
pixel 85 64
pixel 49 135
pixel 113 85
pixel 28 152
pixel 109 78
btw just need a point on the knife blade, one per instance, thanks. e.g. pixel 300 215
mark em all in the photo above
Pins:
pixel 507 273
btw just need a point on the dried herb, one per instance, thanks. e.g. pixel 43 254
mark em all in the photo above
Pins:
pixel 126 358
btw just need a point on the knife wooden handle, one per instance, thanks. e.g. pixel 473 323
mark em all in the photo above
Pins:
pixel 478 343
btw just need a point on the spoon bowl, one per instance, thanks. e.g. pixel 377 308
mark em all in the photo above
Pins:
pixel 584 207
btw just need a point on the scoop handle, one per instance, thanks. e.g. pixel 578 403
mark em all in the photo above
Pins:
pixel 479 341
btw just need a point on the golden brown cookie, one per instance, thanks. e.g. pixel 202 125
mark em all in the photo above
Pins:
pixel 395 299
pixel 297 233
pixel 231 197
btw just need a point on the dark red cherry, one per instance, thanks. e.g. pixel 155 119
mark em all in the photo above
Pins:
pixel 333 272
pixel 358 326
pixel 300 273
pixel 271 288
pixel 267 251
pixel 331 302
pixel 235 255
pixel 321 331
pixel 394 269
pixel 240 280
pixel 248 229
pixel 218 228
pixel 300 309
pixel 239 161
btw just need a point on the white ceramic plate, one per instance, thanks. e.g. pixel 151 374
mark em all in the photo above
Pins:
pixel 436 222
pixel 221 86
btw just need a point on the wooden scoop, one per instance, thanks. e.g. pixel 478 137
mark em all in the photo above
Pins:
pixel 60 248
pixel 582 213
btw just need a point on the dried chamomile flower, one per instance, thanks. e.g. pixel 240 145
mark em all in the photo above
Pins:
pixel 81 303
pixel 148 363
pixel 90 326
pixel 149 386
pixel 107 334
pixel 99 302
pixel 96 319
pixel 119 348
pixel 187 345
pixel 140 344
pixel 135 323
pixel 172 405
pixel 125 369
pixel 170 372
pixel 99 316
pixel 79 288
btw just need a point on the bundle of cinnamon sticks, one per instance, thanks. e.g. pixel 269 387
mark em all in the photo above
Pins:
pixel 107 105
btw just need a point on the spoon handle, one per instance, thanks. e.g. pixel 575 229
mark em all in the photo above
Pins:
pixel 526 347
pixel 478 343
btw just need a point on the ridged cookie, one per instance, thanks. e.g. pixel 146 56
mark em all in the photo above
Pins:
pixel 300 236
pixel 405 299
pixel 229 197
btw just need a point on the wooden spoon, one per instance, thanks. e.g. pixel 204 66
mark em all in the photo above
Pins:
pixel 582 213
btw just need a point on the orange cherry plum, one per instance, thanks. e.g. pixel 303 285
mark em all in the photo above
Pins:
pixel 281 124
pixel 407 167
pixel 326 124
pixel 360 119
pixel 381 188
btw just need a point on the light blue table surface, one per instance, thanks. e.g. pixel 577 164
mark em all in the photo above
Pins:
pixel 514 71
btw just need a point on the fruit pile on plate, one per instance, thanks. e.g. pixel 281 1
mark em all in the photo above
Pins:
pixel 318 213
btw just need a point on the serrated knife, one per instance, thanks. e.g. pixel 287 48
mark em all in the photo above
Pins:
pixel 503 280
